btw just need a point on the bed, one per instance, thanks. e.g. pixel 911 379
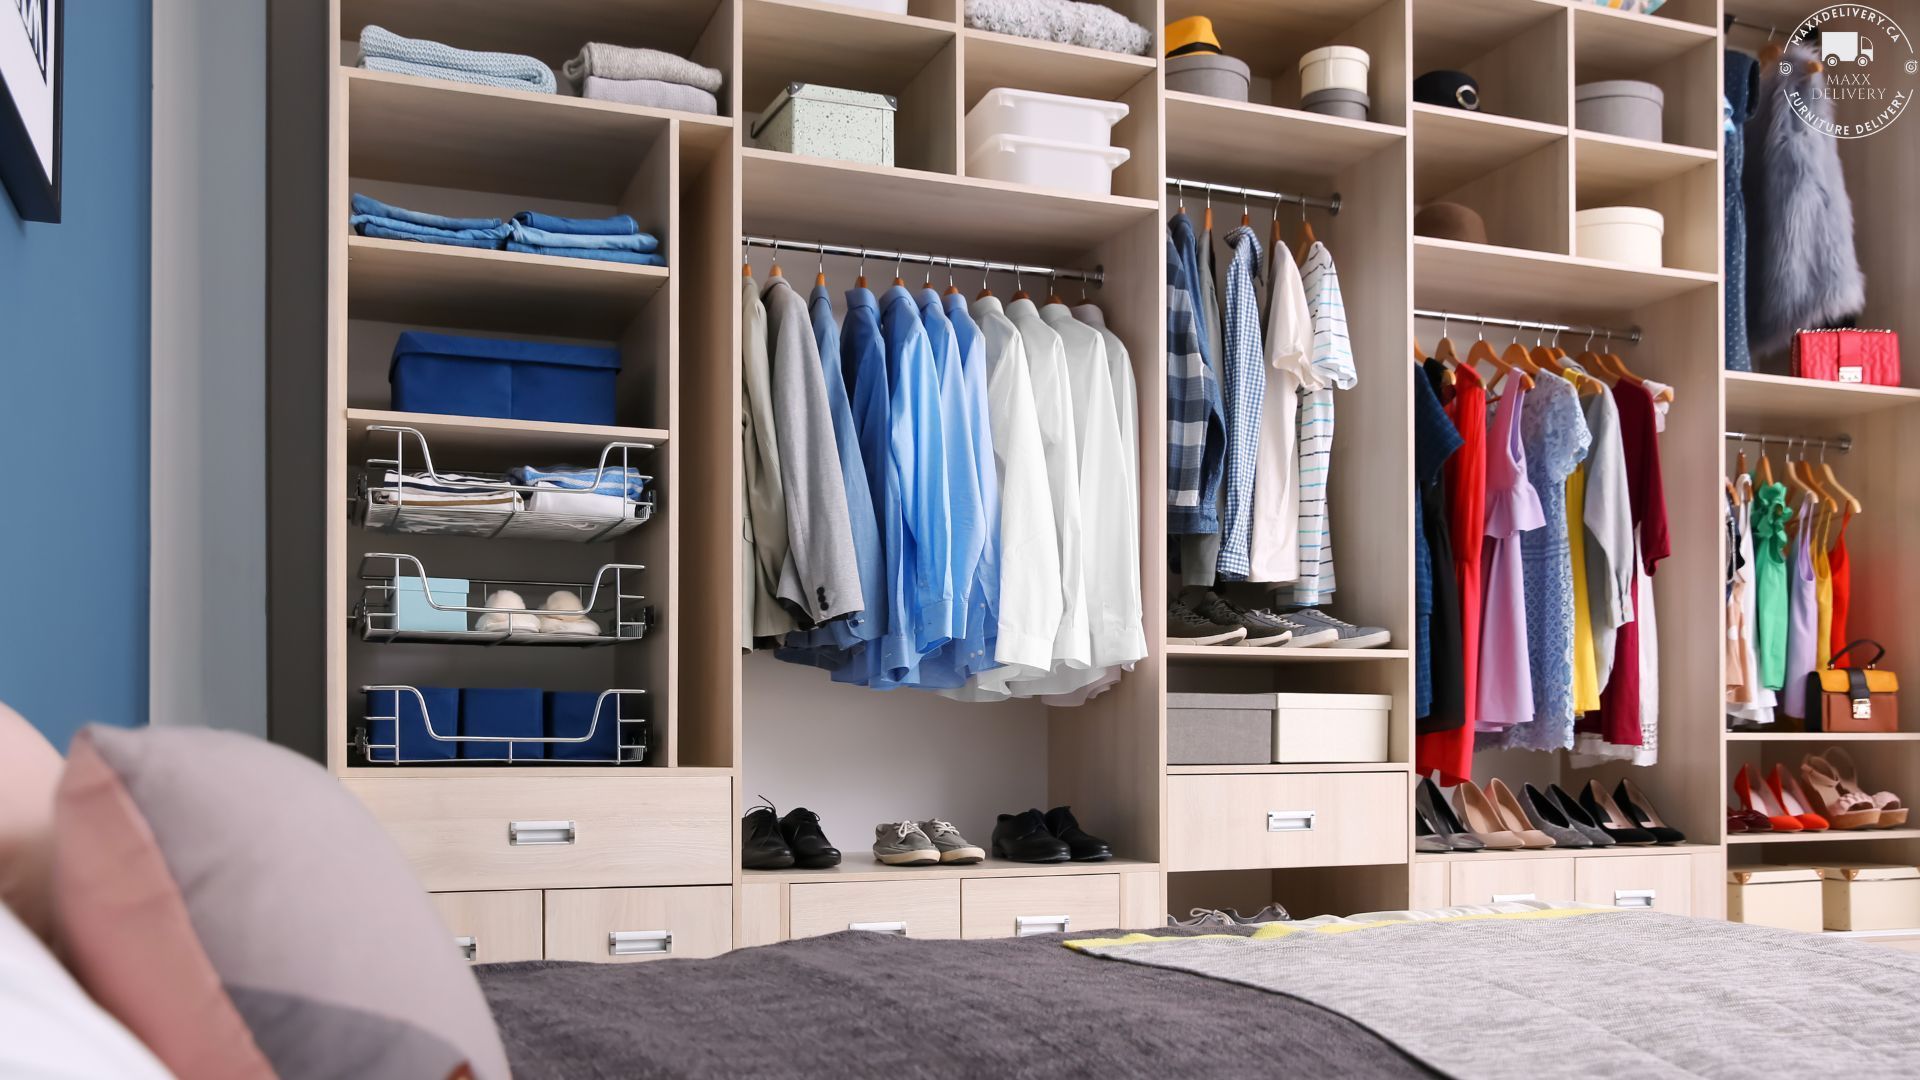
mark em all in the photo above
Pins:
pixel 1524 990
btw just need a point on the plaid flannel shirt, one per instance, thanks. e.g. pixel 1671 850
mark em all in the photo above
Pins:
pixel 1196 429
pixel 1245 391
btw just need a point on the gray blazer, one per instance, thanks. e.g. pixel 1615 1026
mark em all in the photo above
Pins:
pixel 766 521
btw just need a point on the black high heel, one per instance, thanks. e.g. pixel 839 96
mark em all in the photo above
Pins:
pixel 1431 806
pixel 1639 810
pixel 1578 816
pixel 1602 809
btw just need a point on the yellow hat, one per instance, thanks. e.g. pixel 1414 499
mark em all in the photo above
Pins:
pixel 1193 34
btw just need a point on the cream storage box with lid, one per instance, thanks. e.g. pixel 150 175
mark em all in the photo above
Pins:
pixel 1870 896
pixel 1287 729
pixel 829 122
pixel 1787 897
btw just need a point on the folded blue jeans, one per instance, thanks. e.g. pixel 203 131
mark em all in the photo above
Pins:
pixel 389 229
pixel 532 237
pixel 617 225
pixel 367 205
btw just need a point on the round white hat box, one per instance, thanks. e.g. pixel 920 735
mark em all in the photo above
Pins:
pixel 1621 234
pixel 1335 67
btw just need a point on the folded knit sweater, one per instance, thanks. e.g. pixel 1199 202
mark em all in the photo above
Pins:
pixel 621 62
pixel 1064 21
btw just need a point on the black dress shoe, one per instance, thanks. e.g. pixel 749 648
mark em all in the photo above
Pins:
pixel 761 845
pixel 811 851
pixel 1083 846
pixel 1024 838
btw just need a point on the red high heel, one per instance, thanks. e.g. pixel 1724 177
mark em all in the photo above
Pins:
pixel 1746 785
pixel 1786 792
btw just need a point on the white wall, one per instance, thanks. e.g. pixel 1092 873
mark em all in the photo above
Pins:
pixel 858 757
pixel 207 616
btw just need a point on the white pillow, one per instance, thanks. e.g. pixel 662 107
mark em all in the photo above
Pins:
pixel 49 1028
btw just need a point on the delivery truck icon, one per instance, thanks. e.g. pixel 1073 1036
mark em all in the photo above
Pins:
pixel 1845 47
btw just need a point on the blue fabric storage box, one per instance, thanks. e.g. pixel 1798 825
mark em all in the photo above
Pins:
pixel 412 612
pixel 516 380
pixel 509 713
pixel 443 707
pixel 569 714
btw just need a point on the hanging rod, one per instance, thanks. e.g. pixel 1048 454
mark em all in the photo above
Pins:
pixel 1630 335
pixel 1095 276
pixel 1728 22
pixel 1331 204
pixel 1837 443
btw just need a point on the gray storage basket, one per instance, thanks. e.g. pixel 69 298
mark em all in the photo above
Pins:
pixel 1219 729
pixel 1210 74
pixel 1624 107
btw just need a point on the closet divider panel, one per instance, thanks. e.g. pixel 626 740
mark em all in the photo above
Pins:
pixel 1517 51
pixel 334 603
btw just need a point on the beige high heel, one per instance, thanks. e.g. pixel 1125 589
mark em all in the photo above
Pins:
pixel 1482 820
pixel 1892 811
pixel 1515 819
pixel 1844 809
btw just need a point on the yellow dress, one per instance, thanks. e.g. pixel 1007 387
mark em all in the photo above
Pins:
pixel 1823 589
pixel 1586 667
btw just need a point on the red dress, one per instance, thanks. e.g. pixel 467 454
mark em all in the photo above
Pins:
pixel 1842 589
pixel 1450 752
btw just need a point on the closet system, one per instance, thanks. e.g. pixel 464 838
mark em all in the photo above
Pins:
pixel 640 859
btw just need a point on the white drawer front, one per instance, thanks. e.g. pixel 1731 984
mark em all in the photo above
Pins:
pixel 626 925
pixel 1253 821
pixel 923 909
pixel 1017 907
pixel 493 927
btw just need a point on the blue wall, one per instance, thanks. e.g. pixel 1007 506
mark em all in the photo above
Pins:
pixel 73 400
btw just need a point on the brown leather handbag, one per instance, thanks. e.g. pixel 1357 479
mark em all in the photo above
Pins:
pixel 1856 699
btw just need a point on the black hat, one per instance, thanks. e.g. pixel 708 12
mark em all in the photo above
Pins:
pixel 1451 89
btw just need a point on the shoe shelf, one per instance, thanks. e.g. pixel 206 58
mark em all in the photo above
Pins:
pixel 1823 736
pixel 856 868
pixel 617 707
pixel 1825 836
pixel 608 601
pixel 1618 850
pixel 1238 654
pixel 382 505
pixel 491 434
pixel 1282 769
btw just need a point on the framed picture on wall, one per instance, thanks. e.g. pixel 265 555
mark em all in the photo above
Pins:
pixel 30 72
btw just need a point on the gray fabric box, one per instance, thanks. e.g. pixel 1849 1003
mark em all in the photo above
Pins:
pixel 1625 107
pixel 1219 729
pixel 1210 74
pixel 828 122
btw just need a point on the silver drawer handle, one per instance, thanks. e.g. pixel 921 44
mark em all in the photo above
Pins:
pixel 639 942
pixel 1291 820
pixel 1640 898
pixel 899 928
pixel 1510 897
pixel 468 945
pixel 1028 925
pixel 537 833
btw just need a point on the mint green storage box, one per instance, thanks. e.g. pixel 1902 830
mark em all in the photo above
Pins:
pixel 412 612
pixel 828 122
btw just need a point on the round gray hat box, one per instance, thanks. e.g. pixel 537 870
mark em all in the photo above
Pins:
pixel 1210 74
pixel 1338 101
pixel 1625 107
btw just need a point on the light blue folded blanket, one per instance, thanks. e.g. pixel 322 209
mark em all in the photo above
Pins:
pixel 637 258
pixel 627 483
pixel 532 237
pixel 383 50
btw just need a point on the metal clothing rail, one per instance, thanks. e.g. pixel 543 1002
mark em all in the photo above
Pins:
pixel 1630 335
pixel 1093 276
pixel 1331 204
pixel 1730 21
pixel 1837 443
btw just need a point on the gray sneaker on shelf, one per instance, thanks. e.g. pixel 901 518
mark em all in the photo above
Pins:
pixel 1186 626
pixel 1264 628
pixel 1269 914
pixel 1346 635
pixel 901 843
pixel 953 847
pixel 1199 917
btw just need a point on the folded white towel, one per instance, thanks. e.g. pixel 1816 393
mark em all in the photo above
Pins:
pixel 562 600
pixel 622 62
pixel 501 621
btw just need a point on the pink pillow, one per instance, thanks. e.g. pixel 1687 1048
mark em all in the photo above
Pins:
pixel 29 772
pixel 247 918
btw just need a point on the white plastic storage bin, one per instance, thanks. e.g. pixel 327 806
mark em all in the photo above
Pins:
pixel 1622 234
pixel 1077 120
pixel 1049 163
pixel 1335 67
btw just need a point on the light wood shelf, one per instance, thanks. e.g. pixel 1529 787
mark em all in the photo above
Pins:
pixel 1283 770
pixel 802 197
pixel 1822 736
pixel 479 289
pixel 1618 40
pixel 1752 396
pixel 551 30
pixel 789 41
pixel 1480 277
pixel 486 433
pixel 1240 654
pixel 1452 147
pixel 859 866
pixel 1612 168
pixel 585 771
pixel 995 60
pixel 1450 33
pixel 1230 142
pixel 1616 851
pixel 1829 836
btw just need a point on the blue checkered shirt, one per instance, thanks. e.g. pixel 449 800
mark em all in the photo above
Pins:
pixel 1196 429
pixel 1245 391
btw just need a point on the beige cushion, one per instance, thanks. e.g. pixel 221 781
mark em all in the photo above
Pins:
pixel 29 771
pixel 246 917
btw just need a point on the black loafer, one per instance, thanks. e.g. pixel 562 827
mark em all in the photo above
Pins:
pixel 1083 846
pixel 811 851
pixel 1024 838
pixel 761 845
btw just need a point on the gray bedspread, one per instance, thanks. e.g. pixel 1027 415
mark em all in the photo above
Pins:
pixel 1636 995
pixel 858 1004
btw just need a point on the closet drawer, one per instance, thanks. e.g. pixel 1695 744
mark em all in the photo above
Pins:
pixel 1254 821
pixel 493 927
pixel 529 832
pixel 1499 879
pixel 622 925
pixel 1016 907
pixel 1659 882
pixel 922 909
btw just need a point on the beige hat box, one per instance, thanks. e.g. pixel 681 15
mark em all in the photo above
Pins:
pixel 1870 896
pixel 1786 897
pixel 1286 729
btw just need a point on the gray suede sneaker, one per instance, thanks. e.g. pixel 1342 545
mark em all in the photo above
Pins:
pixel 1347 635
pixel 1264 628
pixel 901 843
pixel 953 847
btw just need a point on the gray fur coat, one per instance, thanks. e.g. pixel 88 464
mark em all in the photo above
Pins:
pixel 1803 272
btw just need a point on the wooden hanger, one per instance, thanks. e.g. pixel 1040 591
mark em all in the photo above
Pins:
pixel 1306 235
pixel 1811 479
pixel 986 288
pixel 1796 481
pixel 1419 357
pixel 1482 353
pixel 820 271
pixel 1443 352
pixel 952 289
pixel 1274 244
pixel 897 279
pixel 1053 290
pixel 861 281
pixel 1246 211
pixel 1516 359
pixel 1832 484
pixel 773 271
pixel 1765 468
pixel 1019 290
pixel 1740 462
pixel 1772 50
